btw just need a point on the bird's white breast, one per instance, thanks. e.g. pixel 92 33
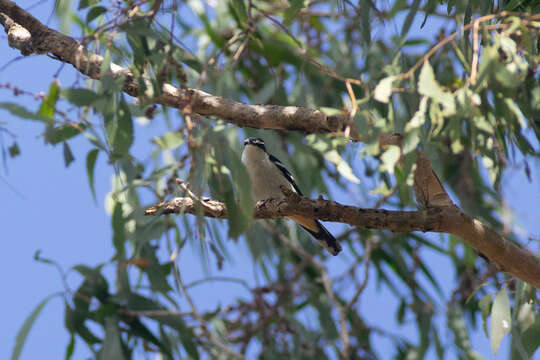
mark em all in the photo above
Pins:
pixel 265 177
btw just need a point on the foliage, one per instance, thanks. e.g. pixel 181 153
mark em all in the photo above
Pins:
pixel 473 103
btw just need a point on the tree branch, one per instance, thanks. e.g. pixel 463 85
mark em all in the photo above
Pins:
pixel 508 256
pixel 46 40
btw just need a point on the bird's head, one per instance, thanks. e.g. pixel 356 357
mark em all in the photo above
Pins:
pixel 253 141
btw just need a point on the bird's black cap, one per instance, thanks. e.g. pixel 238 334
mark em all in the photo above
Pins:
pixel 255 142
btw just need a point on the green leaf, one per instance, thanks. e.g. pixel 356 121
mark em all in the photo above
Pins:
pixel 27 326
pixel 68 155
pixel 94 13
pixel 383 90
pixel 14 150
pixel 461 335
pixel 428 86
pixel 64 14
pixel 485 308
pixel 94 284
pixel 419 117
pixel 531 338
pixel 65 132
pixel 156 272
pixel 229 182
pixel 324 311
pixel 170 140
pixel 22 112
pixel 91 158
pixel 501 320
pixel 123 138
pixel 119 236
pixel 70 348
pixel 80 97
pixel 341 165
pixel 238 11
pixel 49 101
pixel 410 17
pixel 290 13
pixel 411 141
pixel 137 328
pixel 86 3
pixel 390 158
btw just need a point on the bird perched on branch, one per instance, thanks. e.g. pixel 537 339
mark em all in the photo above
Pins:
pixel 267 175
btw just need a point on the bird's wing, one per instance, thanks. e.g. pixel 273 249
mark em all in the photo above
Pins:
pixel 314 227
pixel 286 173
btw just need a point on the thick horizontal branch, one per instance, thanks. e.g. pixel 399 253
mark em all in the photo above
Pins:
pixel 43 39
pixel 508 256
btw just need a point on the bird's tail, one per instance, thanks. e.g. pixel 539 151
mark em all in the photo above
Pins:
pixel 319 232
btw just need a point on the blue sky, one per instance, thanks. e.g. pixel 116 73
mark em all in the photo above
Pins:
pixel 50 208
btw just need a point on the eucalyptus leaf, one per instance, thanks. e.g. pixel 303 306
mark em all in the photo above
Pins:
pixel 23 332
pixel 501 319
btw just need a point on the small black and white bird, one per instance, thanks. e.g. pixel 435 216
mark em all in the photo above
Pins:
pixel 267 174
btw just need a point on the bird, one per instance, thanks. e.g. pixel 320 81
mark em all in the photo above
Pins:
pixel 267 174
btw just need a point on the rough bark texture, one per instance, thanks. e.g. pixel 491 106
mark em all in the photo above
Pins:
pixel 508 256
pixel 46 40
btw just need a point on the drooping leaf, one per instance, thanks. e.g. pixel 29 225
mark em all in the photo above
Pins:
pixel 49 101
pixel 118 222
pixel 383 90
pixel 124 134
pixel 70 348
pixel 501 319
pixel 94 13
pixel 461 335
pixel 341 165
pixel 68 155
pixel 24 113
pixel 531 339
pixel 27 326
pixel 79 96
pixel 390 158
pixel 428 86
pixel 91 158
pixel 64 132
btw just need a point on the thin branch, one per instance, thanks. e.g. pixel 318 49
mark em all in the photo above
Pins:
pixel 219 278
pixel 209 335
pixel 508 256
pixel 474 64
pixel 46 40
pixel 367 258
pixel 154 313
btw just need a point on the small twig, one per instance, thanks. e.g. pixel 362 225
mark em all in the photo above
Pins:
pixel 202 322
pixel 153 313
pixel 474 64
pixel 189 193
pixel 367 257
pixel 219 278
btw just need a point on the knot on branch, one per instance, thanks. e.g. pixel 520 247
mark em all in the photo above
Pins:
pixel 18 37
